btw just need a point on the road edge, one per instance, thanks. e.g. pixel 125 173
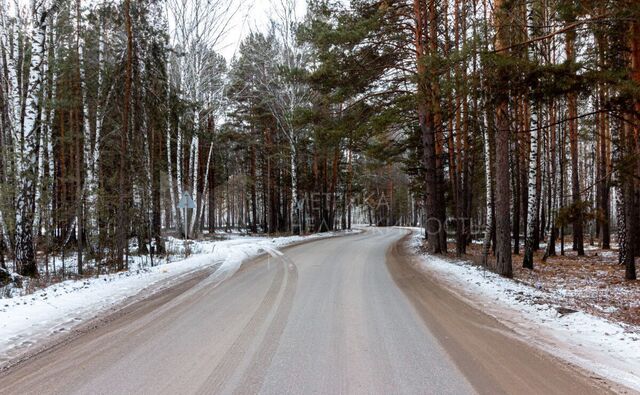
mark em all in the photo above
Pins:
pixel 400 253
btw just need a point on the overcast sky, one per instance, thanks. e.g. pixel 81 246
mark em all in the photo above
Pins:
pixel 252 15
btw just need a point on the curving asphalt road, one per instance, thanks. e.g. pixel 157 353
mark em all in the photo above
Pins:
pixel 346 315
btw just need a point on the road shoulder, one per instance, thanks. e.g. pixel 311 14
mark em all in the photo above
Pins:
pixel 493 356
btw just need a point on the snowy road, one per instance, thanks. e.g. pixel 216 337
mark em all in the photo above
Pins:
pixel 339 315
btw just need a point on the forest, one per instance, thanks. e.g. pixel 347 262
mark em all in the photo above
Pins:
pixel 512 125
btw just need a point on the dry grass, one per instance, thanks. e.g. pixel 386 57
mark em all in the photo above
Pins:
pixel 593 283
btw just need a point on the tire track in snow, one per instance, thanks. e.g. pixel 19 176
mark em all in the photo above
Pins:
pixel 255 374
pixel 286 274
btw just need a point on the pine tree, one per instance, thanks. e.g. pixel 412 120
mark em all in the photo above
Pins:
pixel 503 136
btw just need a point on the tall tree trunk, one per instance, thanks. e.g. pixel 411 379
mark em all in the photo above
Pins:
pixel 519 204
pixel 433 226
pixel 295 193
pixel 527 261
pixel 623 202
pixel 156 190
pixel 172 189
pixel 605 178
pixel 79 205
pixel 572 105
pixel 92 152
pixel 488 232
pixel 630 242
pixel 122 231
pixel 503 136
pixel 82 165
pixel 25 200
pixel 254 181
pixel 553 192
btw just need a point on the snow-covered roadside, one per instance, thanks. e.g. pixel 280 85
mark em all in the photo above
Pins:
pixel 27 320
pixel 608 349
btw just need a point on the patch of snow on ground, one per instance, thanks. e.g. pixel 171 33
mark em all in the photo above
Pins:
pixel 609 349
pixel 26 320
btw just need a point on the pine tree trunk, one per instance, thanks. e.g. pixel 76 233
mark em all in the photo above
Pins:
pixel 630 240
pixel 503 136
pixel 604 180
pixel 572 104
pixel 433 226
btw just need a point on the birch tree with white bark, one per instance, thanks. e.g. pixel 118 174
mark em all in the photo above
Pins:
pixel 531 198
pixel 197 28
pixel 289 93
pixel 28 143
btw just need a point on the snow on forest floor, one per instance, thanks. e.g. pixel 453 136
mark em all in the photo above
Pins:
pixel 593 283
pixel 554 314
pixel 26 320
